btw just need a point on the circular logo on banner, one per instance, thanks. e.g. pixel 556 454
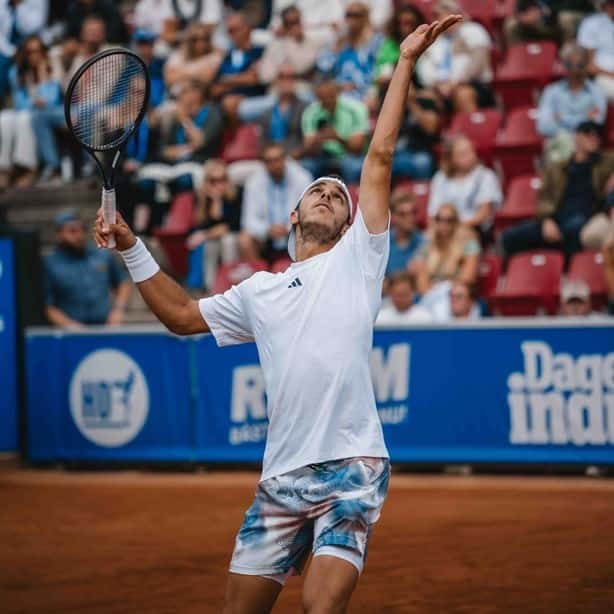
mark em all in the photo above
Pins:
pixel 109 398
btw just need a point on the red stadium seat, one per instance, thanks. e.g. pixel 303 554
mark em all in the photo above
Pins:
pixel 532 283
pixel 280 265
pixel 588 266
pixel 243 143
pixel 483 11
pixel 518 145
pixel 180 217
pixel 426 7
pixel 231 274
pixel 526 68
pixel 481 127
pixel 610 126
pixel 489 271
pixel 420 191
pixel 520 202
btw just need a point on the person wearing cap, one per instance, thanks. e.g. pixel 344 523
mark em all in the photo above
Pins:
pixel 571 193
pixel 325 468
pixel 575 298
pixel 83 285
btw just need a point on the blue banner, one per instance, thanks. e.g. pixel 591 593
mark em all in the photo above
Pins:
pixel 491 393
pixel 8 350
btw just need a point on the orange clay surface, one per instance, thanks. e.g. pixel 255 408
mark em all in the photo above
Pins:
pixel 156 542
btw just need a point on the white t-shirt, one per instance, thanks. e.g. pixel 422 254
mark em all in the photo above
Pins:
pixel 597 32
pixel 465 193
pixel 313 327
pixel 389 315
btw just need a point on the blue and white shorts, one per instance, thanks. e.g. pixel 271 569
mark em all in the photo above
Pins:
pixel 326 508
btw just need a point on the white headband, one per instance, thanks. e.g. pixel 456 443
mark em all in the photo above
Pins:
pixel 346 192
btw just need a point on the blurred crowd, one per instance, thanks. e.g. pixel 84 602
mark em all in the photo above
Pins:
pixel 252 99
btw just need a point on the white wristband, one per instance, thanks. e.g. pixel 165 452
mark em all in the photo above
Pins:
pixel 139 262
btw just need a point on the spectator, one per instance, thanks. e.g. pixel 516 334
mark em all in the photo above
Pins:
pixel 354 64
pixel 466 183
pixel 106 10
pixel 450 253
pixel 405 20
pixel 596 34
pixel 380 11
pixel 565 104
pixel 405 238
pixel 567 14
pixel 291 46
pixel 197 59
pixel 33 88
pixel 321 19
pixel 143 43
pixel 458 64
pixel 46 121
pixel 83 285
pixel 529 23
pixel 335 130
pixel 571 192
pixel 463 302
pixel 271 194
pixel 238 74
pixel 608 269
pixel 400 309
pixel 155 15
pixel 575 299
pixel 190 136
pixel 17 20
pixel 600 228
pixel 218 221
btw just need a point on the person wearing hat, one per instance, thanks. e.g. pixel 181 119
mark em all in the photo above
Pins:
pixel 575 298
pixel 83 285
pixel 325 468
pixel 571 193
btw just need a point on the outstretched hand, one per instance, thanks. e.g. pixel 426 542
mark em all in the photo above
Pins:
pixel 424 36
pixel 124 237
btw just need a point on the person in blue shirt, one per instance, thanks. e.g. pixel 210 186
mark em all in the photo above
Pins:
pixel 405 238
pixel 32 89
pixel 83 285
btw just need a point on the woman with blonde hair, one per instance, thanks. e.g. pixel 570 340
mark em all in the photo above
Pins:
pixel 217 224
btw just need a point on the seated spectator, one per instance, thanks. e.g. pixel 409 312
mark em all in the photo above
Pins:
pixel 567 103
pixel 196 59
pixel 405 238
pixel 399 308
pixel 380 11
pixel 83 285
pixel 237 75
pixel 600 228
pixel 463 302
pixel 451 252
pixel 321 19
pixel 290 47
pixel 353 63
pixel 218 222
pixel 143 44
pixel 33 88
pixel 46 121
pixel 154 15
pixel 608 269
pixel 405 20
pixel 271 194
pixel 571 193
pixel 596 34
pixel 458 64
pixel 466 183
pixel 335 130
pixel 575 299
pixel 567 15
pixel 79 10
pixel 529 23
pixel 17 20
pixel 190 136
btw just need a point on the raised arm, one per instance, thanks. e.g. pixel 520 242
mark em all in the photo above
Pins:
pixel 377 168
pixel 171 304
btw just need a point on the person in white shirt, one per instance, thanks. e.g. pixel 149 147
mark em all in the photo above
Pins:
pixel 400 308
pixel 463 181
pixel 325 469
pixel 596 33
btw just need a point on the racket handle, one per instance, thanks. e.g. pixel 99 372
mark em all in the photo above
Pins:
pixel 109 212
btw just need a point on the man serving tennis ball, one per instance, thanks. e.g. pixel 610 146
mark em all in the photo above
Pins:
pixel 325 469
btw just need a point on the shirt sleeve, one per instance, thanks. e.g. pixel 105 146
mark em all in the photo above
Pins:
pixel 490 190
pixel 586 35
pixel 226 316
pixel 371 250
pixel 436 194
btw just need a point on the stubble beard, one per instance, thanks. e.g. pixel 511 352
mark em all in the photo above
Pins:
pixel 318 233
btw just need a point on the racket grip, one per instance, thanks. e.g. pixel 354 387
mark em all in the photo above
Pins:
pixel 109 212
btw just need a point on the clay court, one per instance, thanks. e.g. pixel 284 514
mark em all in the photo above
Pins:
pixel 154 542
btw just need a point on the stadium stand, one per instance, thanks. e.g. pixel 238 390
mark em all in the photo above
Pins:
pixel 520 202
pixel 588 266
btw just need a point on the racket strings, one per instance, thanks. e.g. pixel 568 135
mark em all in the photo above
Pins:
pixel 107 100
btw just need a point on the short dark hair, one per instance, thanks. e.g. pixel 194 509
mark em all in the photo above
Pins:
pixel 289 9
pixel 399 196
pixel 401 277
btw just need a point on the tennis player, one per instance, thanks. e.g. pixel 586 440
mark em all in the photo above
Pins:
pixel 325 469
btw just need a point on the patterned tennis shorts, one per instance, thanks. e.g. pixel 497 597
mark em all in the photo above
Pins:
pixel 331 504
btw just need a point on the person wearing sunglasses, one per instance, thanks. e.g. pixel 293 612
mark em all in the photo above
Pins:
pixel 565 104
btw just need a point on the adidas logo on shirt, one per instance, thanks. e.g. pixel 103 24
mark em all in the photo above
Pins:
pixel 295 283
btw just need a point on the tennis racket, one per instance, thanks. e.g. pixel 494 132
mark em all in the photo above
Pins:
pixel 187 11
pixel 105 102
